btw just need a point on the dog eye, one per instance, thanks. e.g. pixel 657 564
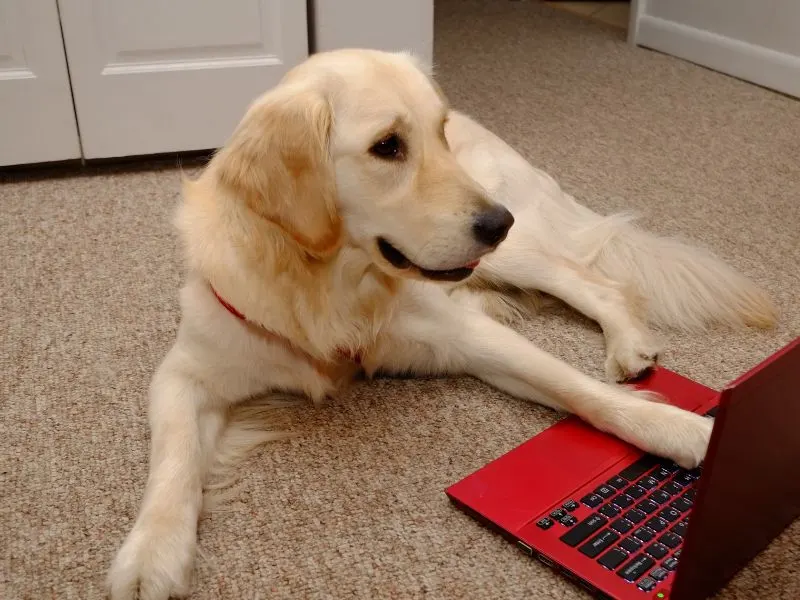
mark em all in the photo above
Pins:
pixel 390 147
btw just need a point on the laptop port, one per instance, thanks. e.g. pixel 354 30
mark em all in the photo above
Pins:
pixel 524 547
pixel 544 560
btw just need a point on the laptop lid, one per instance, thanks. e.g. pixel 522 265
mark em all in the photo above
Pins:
pixel 750 488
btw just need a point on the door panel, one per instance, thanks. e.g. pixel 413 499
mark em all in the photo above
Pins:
pixel 381 24
pixel 153 76
pixel 37 120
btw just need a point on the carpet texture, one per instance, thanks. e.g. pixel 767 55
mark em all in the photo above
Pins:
pixel 354 507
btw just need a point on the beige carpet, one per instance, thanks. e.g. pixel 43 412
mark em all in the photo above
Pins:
pixel 355 507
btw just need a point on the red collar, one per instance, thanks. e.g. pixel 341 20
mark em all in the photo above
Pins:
pixel 324 368
pixel 229 308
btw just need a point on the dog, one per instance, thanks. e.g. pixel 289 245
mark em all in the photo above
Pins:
pixel 355 223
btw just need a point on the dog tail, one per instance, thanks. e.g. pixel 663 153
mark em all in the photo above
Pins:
pixel 248 426
pixel 682 285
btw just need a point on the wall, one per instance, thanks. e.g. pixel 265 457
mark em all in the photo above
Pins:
pixel 773 24
pixel 755 40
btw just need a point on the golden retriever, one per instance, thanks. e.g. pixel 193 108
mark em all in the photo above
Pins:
pixel 354 221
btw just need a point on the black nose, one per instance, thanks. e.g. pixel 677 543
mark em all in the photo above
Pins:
pixel 491 226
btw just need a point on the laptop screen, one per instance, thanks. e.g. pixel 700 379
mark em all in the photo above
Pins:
pixel 749 492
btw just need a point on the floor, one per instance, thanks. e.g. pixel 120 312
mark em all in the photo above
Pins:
pixel 354 506
pixel 611 13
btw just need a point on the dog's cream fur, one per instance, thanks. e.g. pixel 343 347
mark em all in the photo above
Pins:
pixel 283 223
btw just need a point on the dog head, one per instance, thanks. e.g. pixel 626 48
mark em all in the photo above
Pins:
pixel 351 145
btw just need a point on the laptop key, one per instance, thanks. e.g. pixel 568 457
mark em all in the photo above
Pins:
pixel 570 505
pixel 640 467
pixel 630 544
pixel 683 478
pixel 659 574
pixel 657 550
pixel 681 504
pixel 598 543
pixel 647 506
pixel 545 523
pixel 623 501
pixel 568 521
pixel 648 584
pixel 670 564
pixel 592 500
pixel 670 514
pixel 661 474
pixel 660 497
pixel 617 482
pixel 636 491
pixel 657 524
pixel 621 525
pixel 643 534
pixel 672 488
pixel 636 567
pixel 670 539
pixel 583 530
pixel 680 529
pixel 606 491
pixel 613 558
pixel 610 511
pixel 635 516
pixel 690 494
pixel 558 514
pixel 647 483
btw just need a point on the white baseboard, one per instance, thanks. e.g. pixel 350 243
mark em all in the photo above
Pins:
pixel 756 64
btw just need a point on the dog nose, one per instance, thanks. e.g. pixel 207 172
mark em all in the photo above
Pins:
pixel 491 226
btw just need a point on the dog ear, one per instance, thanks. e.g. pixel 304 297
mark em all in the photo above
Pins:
pixel 277 161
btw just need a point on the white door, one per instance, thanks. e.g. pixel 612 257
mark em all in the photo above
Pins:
pixel 754 40
pixel 37 122
pixel 153 76
pixel 381 24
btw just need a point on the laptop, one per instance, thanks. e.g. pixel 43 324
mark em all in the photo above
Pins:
pixel 628 525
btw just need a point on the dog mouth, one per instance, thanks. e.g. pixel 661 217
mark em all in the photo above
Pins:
pixel 399 261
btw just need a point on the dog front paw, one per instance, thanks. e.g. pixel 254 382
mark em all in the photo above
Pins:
pixel 631 355
pixel 672 432
pixel 691 440
pixel 154 563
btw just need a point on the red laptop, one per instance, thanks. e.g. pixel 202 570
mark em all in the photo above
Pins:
pixel 626 525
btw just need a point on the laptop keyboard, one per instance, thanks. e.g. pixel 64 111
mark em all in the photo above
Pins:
pixel 638 522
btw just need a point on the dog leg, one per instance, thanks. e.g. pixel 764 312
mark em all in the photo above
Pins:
pixel 433 334
pixel 156 560
pixel 631 347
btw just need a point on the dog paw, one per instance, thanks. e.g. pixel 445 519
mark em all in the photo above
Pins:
pixel 671 432
pixel 153 564
pixel 692 435
pixel 631 356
